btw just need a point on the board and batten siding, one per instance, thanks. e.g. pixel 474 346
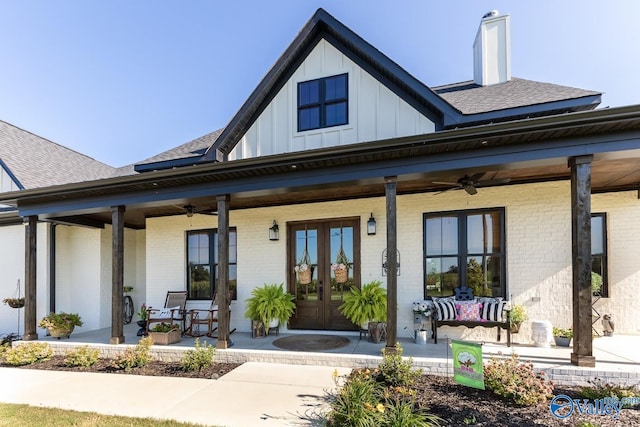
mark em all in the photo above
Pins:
pixel 375 112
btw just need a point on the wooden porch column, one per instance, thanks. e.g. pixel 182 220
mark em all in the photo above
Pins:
pixel 223 272
pixel 117 273
pixel 392 277
pixel 582 354
pixel 30 268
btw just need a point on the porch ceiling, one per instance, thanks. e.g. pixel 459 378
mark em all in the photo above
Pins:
pixel 527 151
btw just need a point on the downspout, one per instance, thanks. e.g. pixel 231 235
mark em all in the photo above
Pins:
pixel 52 267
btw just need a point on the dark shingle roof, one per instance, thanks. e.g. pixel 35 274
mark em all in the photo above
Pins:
pixel 37 162
pixel 470 98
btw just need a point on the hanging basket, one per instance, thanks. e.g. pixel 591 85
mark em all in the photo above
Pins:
pixel 16 303
pixel 342 275
pixel 304 277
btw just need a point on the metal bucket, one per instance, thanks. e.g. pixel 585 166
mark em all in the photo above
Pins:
pixel 421 337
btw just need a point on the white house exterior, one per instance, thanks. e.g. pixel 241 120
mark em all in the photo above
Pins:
pixel 390 144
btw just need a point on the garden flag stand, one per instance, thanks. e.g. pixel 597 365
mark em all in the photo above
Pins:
pixel 467 363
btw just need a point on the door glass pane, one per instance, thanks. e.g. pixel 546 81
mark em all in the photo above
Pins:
pixel 307 262
pixel 341 259
pixel 442 236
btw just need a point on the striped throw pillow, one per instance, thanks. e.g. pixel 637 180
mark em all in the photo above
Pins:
pixel 492 311
pixel 446 308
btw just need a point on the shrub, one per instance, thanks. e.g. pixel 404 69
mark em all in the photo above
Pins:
pixel 135 357
pixel 81 356
pixel 198 358
pixel 357 403
pixel 598 389
pixel 28 353
pixel 394 371
pixel 164 327
pixel 365 399
pixel 510 378
pixel 3 349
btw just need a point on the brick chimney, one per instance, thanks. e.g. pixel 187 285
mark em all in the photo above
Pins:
pixel 492 50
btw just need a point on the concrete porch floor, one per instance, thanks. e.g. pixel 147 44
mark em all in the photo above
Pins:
pixel 617 357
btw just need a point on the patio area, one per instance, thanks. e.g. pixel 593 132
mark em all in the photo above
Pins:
pixel 617 358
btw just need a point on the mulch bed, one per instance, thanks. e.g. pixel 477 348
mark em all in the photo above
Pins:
pixel 457 404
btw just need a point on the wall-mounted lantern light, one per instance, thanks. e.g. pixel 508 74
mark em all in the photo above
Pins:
pixel 371 225
pixel 274 231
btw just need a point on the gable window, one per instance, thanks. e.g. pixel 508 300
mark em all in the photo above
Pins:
pixel 465 247
pixel 599 254
pixel 323 103
pixel 202 263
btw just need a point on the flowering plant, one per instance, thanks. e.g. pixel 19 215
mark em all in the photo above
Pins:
pixel 342 262
pixel 164 327
pixel 301 267
pixel 128 289
pixel 62 320
pixel 422 307
pixel 143 312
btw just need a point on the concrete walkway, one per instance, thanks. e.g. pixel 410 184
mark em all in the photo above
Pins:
pixel 254 394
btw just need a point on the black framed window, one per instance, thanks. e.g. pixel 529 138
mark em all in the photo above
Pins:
pixel 599 279
pixel 465 247
pixel 202 263
pixel 323 102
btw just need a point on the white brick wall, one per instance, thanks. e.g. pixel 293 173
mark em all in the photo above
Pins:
pixel 538 233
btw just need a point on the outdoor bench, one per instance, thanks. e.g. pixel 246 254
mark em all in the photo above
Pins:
pixel 492 313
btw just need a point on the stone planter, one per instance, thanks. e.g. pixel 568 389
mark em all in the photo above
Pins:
pixel 60 332
pixel 562 341
pixel 377 331
pixel 165 338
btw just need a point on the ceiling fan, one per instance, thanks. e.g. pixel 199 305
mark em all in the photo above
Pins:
pixel 189 210
pixel 469 183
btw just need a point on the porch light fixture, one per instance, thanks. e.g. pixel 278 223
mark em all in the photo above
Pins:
pixel 189 210
pixel 371 225
pixel 274 231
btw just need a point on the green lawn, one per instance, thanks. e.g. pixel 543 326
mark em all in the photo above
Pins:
pixel 25 415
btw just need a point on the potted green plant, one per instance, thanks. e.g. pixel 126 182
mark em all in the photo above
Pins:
pixel 268 307
pixel 517 316
pixel 60 324
pixel 562 336
pixel 366 304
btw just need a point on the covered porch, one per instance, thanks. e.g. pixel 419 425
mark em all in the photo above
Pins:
pixel 594 151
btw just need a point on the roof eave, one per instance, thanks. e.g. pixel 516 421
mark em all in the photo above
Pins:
pixel 547 109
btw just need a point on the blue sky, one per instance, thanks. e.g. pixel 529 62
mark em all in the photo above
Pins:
pixel 122 80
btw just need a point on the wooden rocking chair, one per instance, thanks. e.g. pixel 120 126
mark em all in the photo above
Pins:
pixel 200 316
pixel 174 310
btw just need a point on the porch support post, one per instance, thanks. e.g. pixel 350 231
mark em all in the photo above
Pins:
pixel 582 354
pixel 392 277
pixel 117 273
pixel 30 268
pixel 223 272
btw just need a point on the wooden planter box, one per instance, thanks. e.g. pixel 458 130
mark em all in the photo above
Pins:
pixel 165 338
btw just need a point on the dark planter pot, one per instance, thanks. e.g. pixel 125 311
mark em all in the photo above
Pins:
pixel 562 341
pixel 15 304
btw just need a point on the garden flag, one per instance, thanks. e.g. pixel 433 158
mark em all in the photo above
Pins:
pixel 467 364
